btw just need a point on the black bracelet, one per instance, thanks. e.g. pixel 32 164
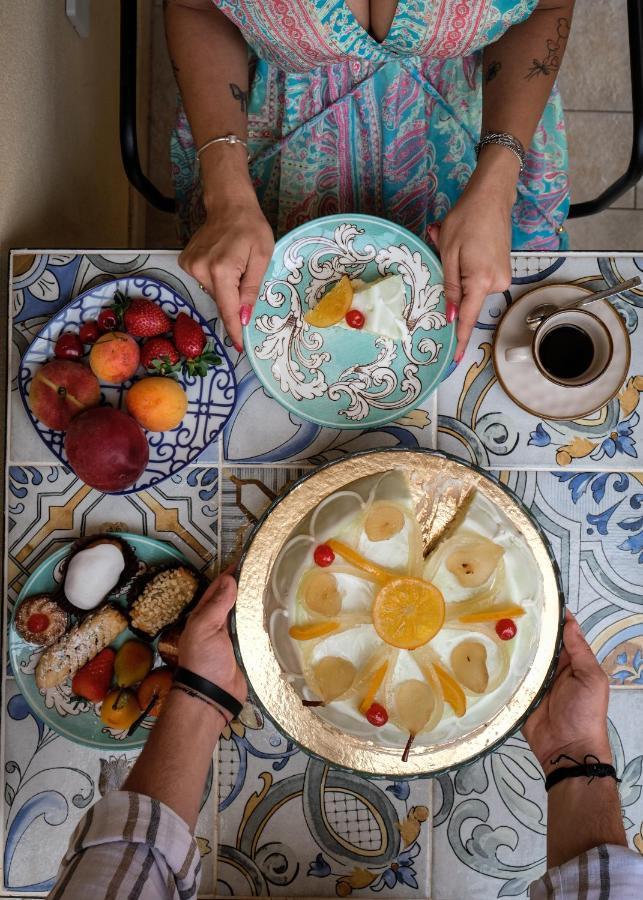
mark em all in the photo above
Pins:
pixel 208 689
pixel 590 770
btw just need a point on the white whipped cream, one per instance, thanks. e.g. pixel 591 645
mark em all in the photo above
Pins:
pixel 92 573
pixel 382 305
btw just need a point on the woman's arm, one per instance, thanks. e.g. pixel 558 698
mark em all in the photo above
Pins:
pixel 519 72
pixel 229 254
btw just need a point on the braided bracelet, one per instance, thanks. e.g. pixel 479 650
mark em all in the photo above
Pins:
pixel 590 770
pixel 503 139
pixel 208 689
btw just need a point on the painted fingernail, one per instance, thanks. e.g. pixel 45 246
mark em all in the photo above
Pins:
pixel 244 314
pixel 458 357
pixel 452 311
pixel 237 347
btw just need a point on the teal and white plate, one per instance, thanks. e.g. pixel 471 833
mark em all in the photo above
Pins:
pixel 76 719
pixel 341 377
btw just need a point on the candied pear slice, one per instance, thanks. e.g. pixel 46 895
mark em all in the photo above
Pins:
pixel 320 594
pixel 334 676
pixel 474 561
pixel 469 665
pixel 382 521
pixel 414 703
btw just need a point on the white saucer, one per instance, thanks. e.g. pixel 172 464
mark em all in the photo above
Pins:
pixel 528 387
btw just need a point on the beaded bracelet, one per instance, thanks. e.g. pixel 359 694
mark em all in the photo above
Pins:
pixel 503 139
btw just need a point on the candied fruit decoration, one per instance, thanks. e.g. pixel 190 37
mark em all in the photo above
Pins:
pixel 493 614
pixel 414 704
pixel 334 676
pixel 315 630
pixel 474 561
pixel 453 693
pixel 320 593
pixel 355 319
pixel 360 562
pixel 469 665
pixel 373 687
pixel 377 715
pixel 333 306
pixel 408 612
pixel 383 521
pixel 323 556
pixel 506 629
pixel 37 622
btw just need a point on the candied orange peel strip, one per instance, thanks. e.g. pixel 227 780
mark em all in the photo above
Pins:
pixel 314 630
pixel 373 687
pixel 492 615
pixel 360 562
pixel 333 306
pixel 453 693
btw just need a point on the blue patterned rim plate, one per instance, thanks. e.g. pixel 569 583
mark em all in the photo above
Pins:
pixel 210 399
pixel 69 717
pixel 340 377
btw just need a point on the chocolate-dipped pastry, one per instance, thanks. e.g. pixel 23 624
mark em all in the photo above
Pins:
pixel 161 598
pixel 41 620
pixel 168 645
pixel 98 565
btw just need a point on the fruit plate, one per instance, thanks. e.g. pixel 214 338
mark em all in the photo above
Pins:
pixel 342 377
pixel 211 399
pixel 76 719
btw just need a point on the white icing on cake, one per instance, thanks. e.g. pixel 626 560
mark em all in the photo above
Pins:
pixel 92 573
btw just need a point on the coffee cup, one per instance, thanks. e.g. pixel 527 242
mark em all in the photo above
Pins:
pixel 571 347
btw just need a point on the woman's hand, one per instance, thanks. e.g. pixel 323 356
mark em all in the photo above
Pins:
pixel 205 646
pixel 228 256
pixel 474 241
pixel 572 718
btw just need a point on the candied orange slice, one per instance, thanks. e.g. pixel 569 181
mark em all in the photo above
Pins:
pixel 453 693
pixel 408 612
pixel 333 306
pixel 360 562
pixel 315 630
pixel 490 615
pixel 373 687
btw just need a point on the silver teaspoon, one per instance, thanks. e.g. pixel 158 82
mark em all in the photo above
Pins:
pixel 541 312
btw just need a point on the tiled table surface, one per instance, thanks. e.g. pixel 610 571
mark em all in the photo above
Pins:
pixel 275 822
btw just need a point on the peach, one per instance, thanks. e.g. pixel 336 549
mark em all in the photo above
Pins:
pixel 60 390
pixel 157 403
pixel 114 357
pixel 106 449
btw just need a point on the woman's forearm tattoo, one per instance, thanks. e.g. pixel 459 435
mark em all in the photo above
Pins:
pixel 492 70
pixel 551 63
pixel 241 96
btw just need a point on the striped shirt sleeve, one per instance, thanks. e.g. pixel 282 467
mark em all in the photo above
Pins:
pixel 129 847
pixel 608 872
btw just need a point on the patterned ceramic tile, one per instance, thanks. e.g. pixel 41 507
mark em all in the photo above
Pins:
pixel 490 818
pixel 479 423
pixel 48 785
pixel 291 826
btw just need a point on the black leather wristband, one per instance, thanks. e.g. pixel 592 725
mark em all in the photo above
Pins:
pixel 208 689
pixel 585 769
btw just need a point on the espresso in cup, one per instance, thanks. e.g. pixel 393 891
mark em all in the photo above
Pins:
pixel 566 351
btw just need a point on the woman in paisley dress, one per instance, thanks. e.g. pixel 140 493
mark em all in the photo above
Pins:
pixel 371 106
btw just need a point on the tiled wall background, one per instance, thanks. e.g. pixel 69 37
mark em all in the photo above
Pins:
pixel 595 82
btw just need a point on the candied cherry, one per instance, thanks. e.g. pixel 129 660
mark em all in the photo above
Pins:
pixel 89 332
pixel 37 622
pixel 506 629
pixel 107 319
pixel 323 556
pixel 69 346
pixel 377 715
pixel 355 318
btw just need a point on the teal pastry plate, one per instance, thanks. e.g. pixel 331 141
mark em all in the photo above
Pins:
pixel 72 717
pixel 343 377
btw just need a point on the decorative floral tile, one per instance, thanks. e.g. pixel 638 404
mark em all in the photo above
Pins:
pixel 490 818
pixel 290 826
pixel 48 785
pixel 479 423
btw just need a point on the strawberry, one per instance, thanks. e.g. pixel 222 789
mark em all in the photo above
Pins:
pixel 159 355
pixel 141 317
pixel 189 339
pixel 93 680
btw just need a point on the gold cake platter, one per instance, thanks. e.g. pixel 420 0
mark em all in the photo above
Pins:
pixel 273 689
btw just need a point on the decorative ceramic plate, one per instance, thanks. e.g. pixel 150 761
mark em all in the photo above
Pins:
pixel 526 385
pixel 342 377
pixel 210 399
pixel 73 718
pixel 387 614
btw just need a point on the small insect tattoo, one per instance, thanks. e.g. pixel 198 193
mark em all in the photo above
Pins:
pixel 551 63
pixel 492 70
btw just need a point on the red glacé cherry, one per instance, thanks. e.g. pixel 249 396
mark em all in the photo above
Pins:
pixel 506 629
pixel 37 622
pixel 69 346
pixel 323 556
pixel 107 320
pixel 355 318
pixel 89 332
pixel 377 715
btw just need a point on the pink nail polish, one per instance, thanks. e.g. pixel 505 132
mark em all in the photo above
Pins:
pixel 452 311
pixel 458 357
pixel 244 314
pixel 237 347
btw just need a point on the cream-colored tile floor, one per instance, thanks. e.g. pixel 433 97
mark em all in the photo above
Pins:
pixel 595 83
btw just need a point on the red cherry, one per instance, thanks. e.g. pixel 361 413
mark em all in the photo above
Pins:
pixel 323 556
pixel 37 622
pixel 355 318
pixel 107 319
pixel 69 346
pixel 377 715
pixel 506 629
pixel 89 332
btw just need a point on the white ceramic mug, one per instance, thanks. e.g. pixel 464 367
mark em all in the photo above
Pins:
pixel 593 327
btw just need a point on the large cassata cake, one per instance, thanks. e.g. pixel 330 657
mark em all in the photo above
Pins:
pixel 407 610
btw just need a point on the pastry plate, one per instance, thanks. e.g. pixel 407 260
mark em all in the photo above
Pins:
pixel 275 687
pixel 211 399
pixel 342 377
pixel 525 384
pixel 73 719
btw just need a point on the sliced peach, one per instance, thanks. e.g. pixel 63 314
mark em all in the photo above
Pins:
pixel 491 615
pixel 333 306
pixel 360 562
pixel 373 687
pixel 453 693
pixel 315 630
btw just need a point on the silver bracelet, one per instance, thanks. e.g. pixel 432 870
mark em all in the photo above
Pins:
pixel 228 139
pixel 504 140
